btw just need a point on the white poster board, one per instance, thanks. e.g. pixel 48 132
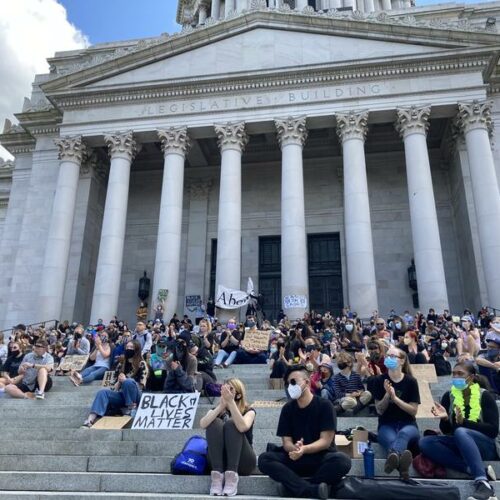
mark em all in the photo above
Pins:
pixel 290 301
pixel 166 411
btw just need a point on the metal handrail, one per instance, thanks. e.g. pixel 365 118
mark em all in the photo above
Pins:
pixel 32 325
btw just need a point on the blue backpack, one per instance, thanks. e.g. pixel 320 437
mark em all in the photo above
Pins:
pixel 193 457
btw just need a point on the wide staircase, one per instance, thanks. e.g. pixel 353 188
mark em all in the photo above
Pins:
pixel 44 453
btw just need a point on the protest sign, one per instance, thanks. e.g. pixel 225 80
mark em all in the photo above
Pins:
pixel 256 340
pixel 424 374
pixel 76 362
pixel 166 411
pixel 290 301
pixel 227 298
pixel 109 379
pixel 111 423
pixel 193 305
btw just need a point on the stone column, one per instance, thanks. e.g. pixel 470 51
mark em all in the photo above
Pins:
pixel 300 5
pixel 72 152
pixel 232 139
pixel 215 10
pixel 476 123
pixel 228 7
pixel 202 14
pixel 412 124
pixel 361 283
pixel 175 144
pixel 369 6
pixel 292 135
pixel 386 5
pixel 122 149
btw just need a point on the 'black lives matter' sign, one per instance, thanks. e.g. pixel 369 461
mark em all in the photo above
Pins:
pixel 166 411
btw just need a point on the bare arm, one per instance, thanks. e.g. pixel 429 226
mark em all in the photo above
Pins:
pixel 382 405
pixel 242 423
pixel 212 414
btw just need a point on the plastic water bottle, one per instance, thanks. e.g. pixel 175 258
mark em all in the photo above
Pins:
pixel 133 411
pixel 369 461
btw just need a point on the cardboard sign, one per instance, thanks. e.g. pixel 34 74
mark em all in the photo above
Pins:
pixel 109 379
pixel 290 301
pixel 76 362
pixel 111 423
pixel 256 340
pixel 424 373
pixel 166 411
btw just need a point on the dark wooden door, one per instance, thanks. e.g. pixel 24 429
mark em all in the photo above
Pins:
pixel 270 275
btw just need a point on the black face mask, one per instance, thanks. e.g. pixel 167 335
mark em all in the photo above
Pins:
pixel 342 366
pixel 180 351
pixel 14 354
pixel 310 348
pixel 129 353
pixel 374 356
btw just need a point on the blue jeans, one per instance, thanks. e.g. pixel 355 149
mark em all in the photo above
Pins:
pixel 128 394
pixel 464 451
pixel 396 436
pixel 245 358
pixel 93 373
pixel 222 355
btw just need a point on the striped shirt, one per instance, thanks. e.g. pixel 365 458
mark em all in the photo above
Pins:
pixel 344 385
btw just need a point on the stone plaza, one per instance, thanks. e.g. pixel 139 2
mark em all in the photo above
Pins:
pixel 318 147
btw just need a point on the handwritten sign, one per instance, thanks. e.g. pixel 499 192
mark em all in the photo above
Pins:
pixel 290 301
pixel 76 362
pixel 227 298
pixel 109 379
pixel 256 340
pixel 166 411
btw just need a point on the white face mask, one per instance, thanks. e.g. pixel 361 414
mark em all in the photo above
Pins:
pixel 294 391
pixel 407 341
pixel 349 327
pixel 398 325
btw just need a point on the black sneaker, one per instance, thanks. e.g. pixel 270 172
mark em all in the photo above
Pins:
pixel 482 491
pixel 284 492
pixel 323 491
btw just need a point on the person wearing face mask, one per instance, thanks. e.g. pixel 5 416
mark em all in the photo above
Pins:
pixel 325 383
pixel 157 365
pixel 101 355
pixel 397 398
pixel 350 393
pixel 350 338
pixel 307 427
pixel 9 371
pixel 279 361
pixel 415 350
pixel 228 345
pixel 381 331
pixel 131 375
pixel 372 365
pixel 229 432
pixel 246 356
pixel 489 362
pixel 311 356
pixel 182 368
pixel 468 337
pixel 469 422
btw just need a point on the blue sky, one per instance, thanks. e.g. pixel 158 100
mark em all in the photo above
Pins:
pixel 111 20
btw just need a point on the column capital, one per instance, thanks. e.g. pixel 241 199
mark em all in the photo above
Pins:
pixel 231 136
pixel 174 140
pixel 71 149
pixel 475 115
pixel 352 125
pixel 291 130
pixel 122 145
pixel 412 120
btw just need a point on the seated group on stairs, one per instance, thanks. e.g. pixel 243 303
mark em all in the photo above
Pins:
pixel 371 358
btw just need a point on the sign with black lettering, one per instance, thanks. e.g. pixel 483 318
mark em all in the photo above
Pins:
pixel 227 298
pixel 166 411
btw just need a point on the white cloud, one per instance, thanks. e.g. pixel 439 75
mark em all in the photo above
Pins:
pixel 30 32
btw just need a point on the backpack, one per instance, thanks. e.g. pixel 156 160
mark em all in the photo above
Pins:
pixel 427 468
pixel 193 457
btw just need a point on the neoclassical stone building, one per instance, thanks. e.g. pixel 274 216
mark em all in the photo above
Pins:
pixel 316 146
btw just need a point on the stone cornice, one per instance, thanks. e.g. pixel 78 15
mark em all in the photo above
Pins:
pixel 377 26
pixel 351 72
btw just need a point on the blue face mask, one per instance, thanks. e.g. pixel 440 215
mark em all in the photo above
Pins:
pixel 391 363
pixel 459 383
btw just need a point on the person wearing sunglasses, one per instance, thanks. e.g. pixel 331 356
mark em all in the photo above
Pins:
pixel 34 374
pixel 469 422
pixel 307 426
pixel 229 431
pixel 397 398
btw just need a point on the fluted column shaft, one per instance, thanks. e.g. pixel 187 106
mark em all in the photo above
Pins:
pixel 175 144
pixel 229 6
pixel 122 149
pixel 412 124
pixel 215 10
pixel 72 152
pixel 232 140
pixel 361 282
pixel 475 122
pixel 300 4
pixel 292 135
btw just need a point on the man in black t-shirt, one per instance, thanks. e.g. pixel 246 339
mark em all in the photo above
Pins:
pixel 307 428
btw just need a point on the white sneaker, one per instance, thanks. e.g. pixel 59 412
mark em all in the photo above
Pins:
pixel 39 394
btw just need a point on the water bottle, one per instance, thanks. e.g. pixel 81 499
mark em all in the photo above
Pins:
pixel 369 461
pixel 133 411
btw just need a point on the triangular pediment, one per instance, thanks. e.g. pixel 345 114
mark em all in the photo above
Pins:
pixel 266 42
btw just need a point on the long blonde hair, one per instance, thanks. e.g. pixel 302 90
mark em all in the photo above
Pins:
pixel 240 390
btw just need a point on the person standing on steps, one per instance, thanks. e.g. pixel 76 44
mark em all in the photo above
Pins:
pixel 307 428
pixel 397 398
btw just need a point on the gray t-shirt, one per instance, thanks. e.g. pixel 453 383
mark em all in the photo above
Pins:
pixel 30 375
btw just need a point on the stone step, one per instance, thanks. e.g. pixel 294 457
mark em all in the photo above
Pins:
pixel 139 483
pixel 153 464
pixel 33 495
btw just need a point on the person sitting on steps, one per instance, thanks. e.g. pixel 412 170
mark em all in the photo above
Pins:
pixel 307 426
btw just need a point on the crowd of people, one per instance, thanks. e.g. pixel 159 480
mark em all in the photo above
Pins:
pixel 326 365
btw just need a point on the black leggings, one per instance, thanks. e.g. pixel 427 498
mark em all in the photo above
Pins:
pixel 229 449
